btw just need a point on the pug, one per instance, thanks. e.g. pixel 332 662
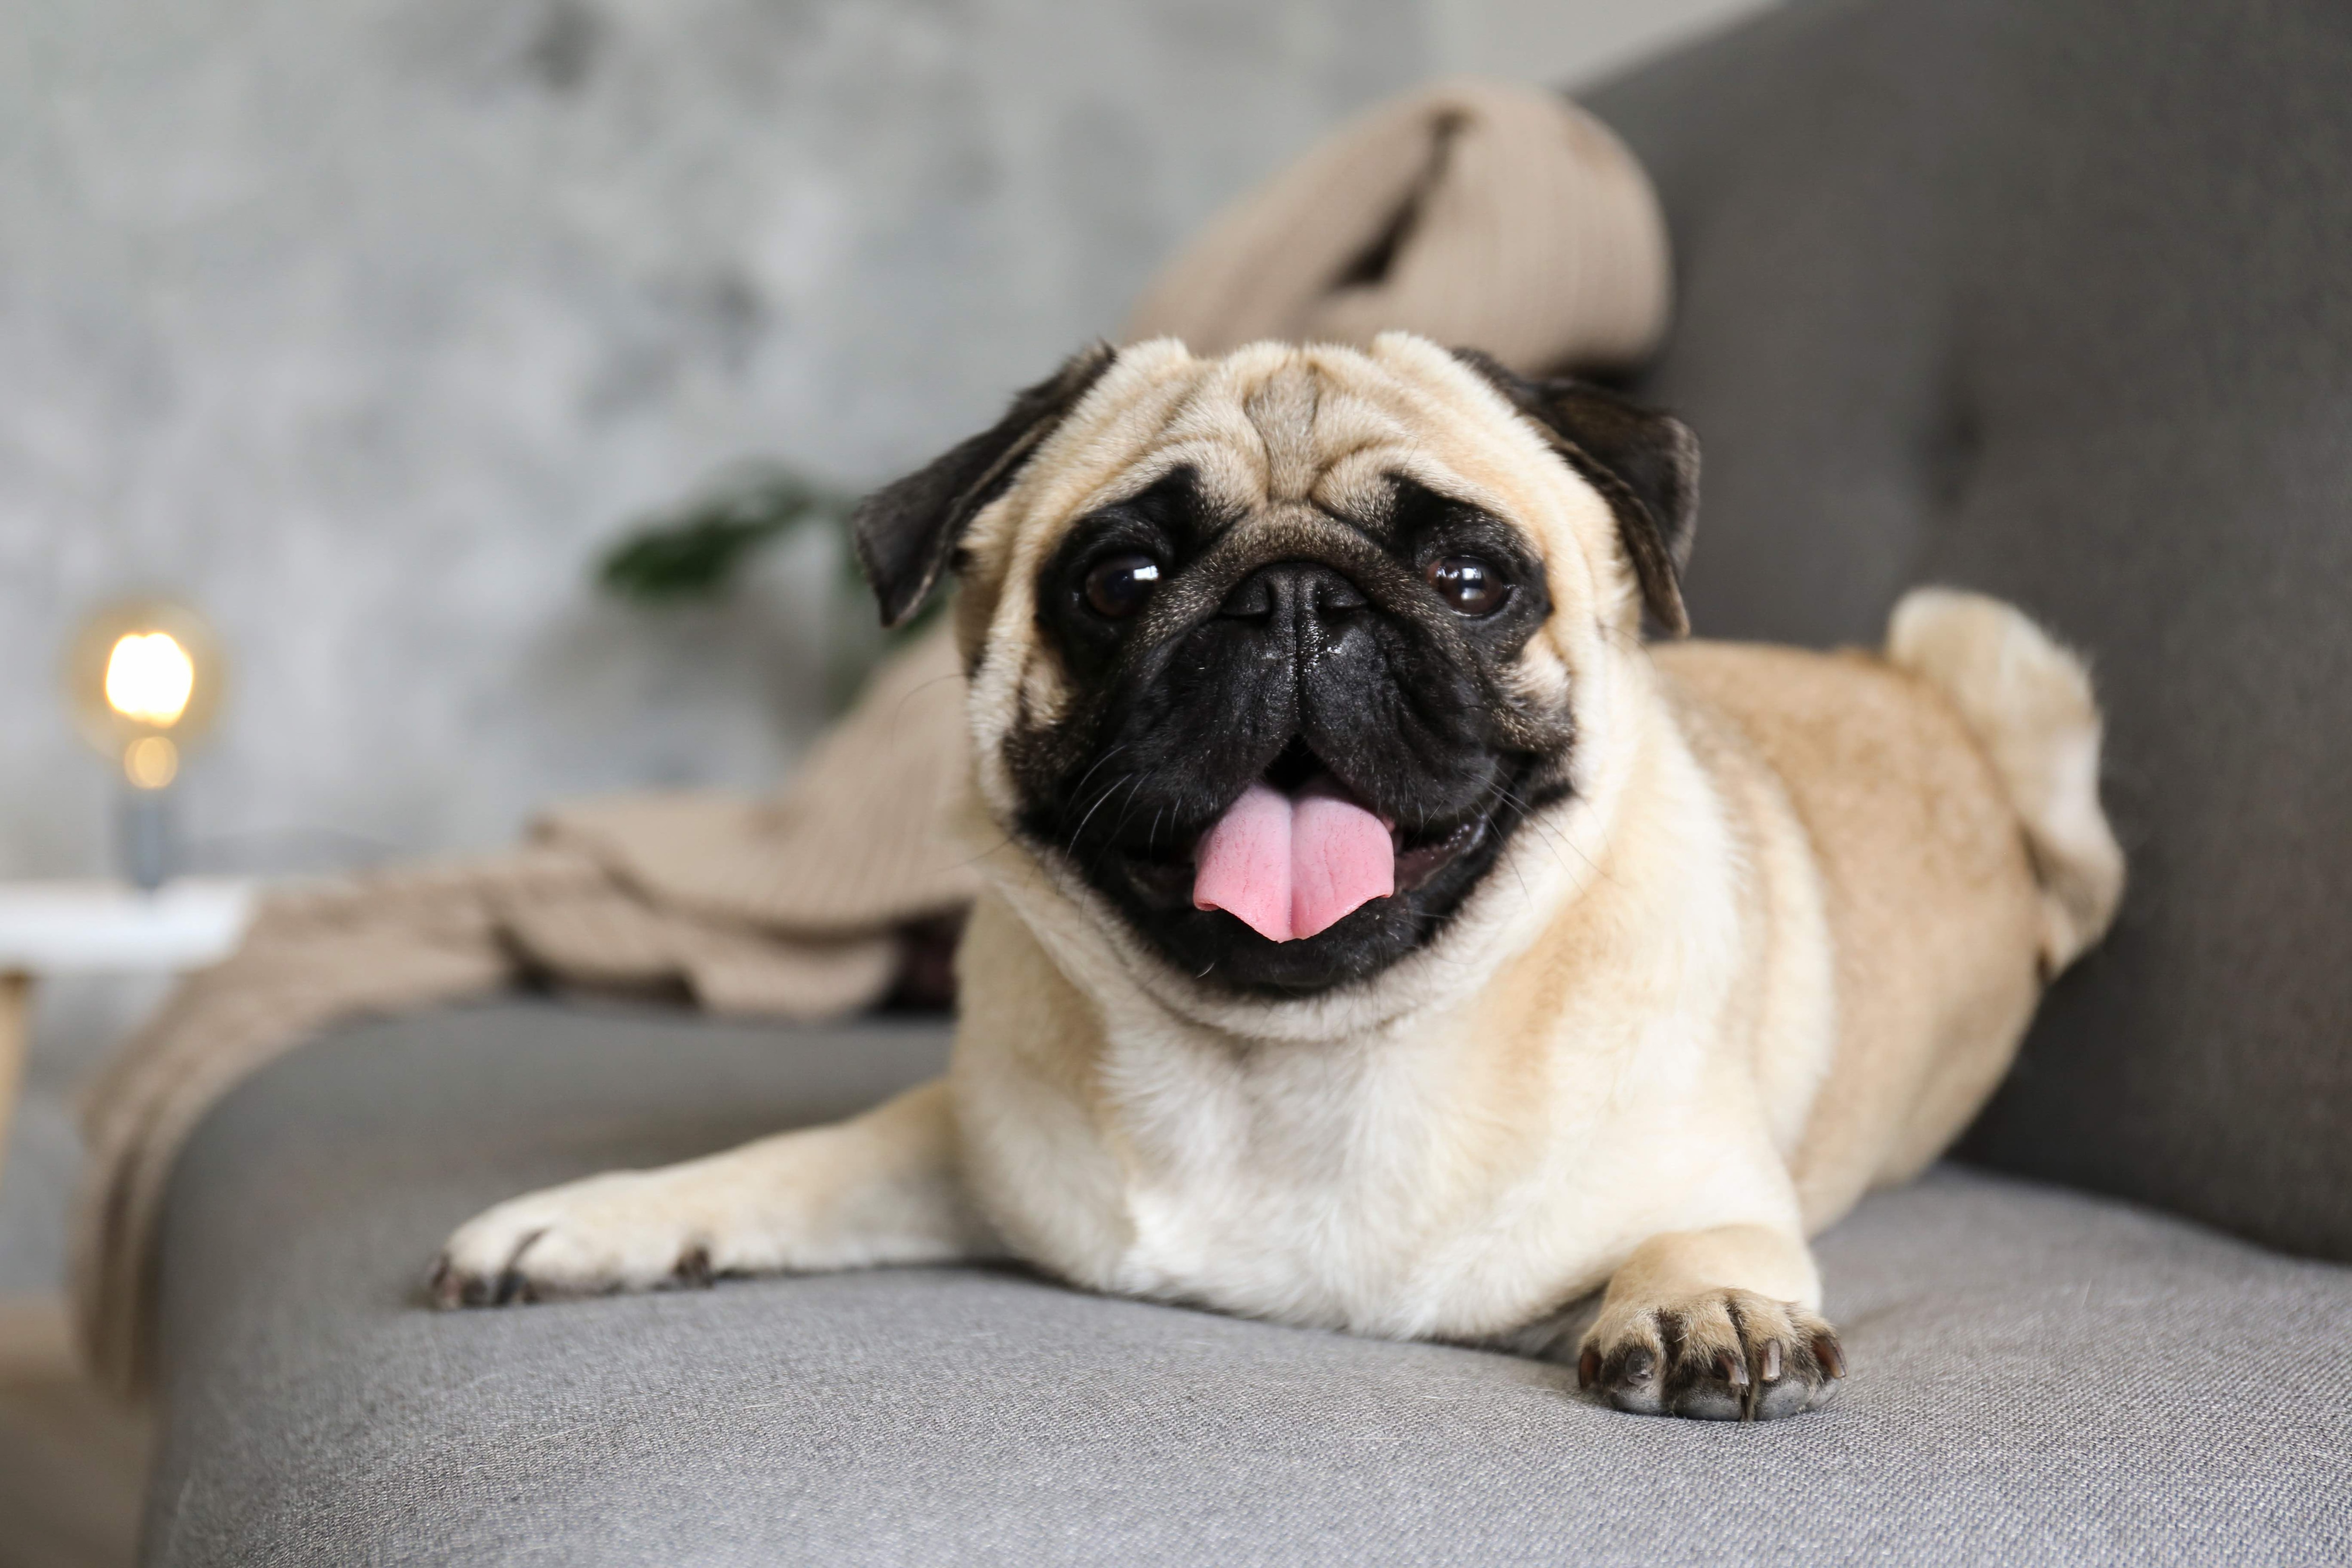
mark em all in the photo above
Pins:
pixel 1382 933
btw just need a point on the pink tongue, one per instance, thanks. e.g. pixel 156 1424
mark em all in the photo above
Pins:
pixel 1288 866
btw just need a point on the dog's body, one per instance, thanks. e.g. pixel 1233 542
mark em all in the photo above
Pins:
pixel 1682 950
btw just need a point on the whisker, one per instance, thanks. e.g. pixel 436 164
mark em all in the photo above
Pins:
pixel 921 687
pixel 1135 783
pixel 1134 790
pixel 1099 801
pixel 1079 787
pixel 977 857
pixel 1527 817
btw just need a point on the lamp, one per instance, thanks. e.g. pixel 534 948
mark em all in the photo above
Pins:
pixel 144 678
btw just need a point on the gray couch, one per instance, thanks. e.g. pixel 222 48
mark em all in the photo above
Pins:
pixel 2046 297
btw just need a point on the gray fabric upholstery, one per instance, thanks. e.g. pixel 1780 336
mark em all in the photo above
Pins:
pixel 2049 298
pixel 2037 1376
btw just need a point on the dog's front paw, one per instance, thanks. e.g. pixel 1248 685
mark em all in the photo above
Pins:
pixel 628 1230
pixel 1718 1355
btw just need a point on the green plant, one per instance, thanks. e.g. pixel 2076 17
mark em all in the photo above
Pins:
pixel 696 551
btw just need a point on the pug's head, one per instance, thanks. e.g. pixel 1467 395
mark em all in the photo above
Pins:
pixel 1276 653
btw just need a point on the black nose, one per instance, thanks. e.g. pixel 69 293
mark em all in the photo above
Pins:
pixel 1299 597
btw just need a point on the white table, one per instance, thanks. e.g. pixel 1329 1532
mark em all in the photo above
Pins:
pixel 53 928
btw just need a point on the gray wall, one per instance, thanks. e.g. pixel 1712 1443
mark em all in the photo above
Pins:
pixel 362 324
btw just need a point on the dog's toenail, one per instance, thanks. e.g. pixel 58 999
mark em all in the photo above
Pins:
pixel 1731 1369
pixel 1588 1367
pixel 1830 1353
pixel 1639 1364
pixel 1771 1360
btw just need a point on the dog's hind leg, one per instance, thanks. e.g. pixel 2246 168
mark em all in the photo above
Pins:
pixel 879 1188
pixel 1716 1324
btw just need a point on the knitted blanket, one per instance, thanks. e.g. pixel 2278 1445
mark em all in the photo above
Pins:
pixel 1479 214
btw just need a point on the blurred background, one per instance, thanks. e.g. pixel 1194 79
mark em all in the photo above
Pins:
pixel 366 326
pixel 363 324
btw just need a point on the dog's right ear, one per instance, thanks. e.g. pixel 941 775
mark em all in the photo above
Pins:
pixel 906 531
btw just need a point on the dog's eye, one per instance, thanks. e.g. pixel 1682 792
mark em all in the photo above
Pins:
pixel 1468 585
pixel 1117 585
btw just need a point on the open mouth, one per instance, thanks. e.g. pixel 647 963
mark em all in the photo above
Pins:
pixel 1297 852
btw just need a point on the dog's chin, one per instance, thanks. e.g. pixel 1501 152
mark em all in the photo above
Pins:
pixel 1436 870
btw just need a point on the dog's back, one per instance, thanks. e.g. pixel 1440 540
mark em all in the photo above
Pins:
pixel 1949 791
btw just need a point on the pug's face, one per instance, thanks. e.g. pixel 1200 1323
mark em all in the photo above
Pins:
pixel 1276 653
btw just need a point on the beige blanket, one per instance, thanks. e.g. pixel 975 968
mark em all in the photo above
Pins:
pixel 1480 214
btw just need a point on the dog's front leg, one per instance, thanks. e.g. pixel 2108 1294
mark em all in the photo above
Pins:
pixel 879 1188
pixel 1718 1324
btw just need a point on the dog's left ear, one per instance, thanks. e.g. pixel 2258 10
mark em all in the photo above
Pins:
pixel 1644 462
pixel 906 533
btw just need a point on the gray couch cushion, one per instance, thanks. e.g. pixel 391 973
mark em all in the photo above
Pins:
pixel 2051 298
pixel 2037 1376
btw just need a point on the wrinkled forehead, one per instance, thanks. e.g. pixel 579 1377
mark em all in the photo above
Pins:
pixel 1272 427
pixel 1294 430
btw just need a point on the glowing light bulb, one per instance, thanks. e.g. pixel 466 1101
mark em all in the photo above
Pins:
pixel 149 677
pixel 143 679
